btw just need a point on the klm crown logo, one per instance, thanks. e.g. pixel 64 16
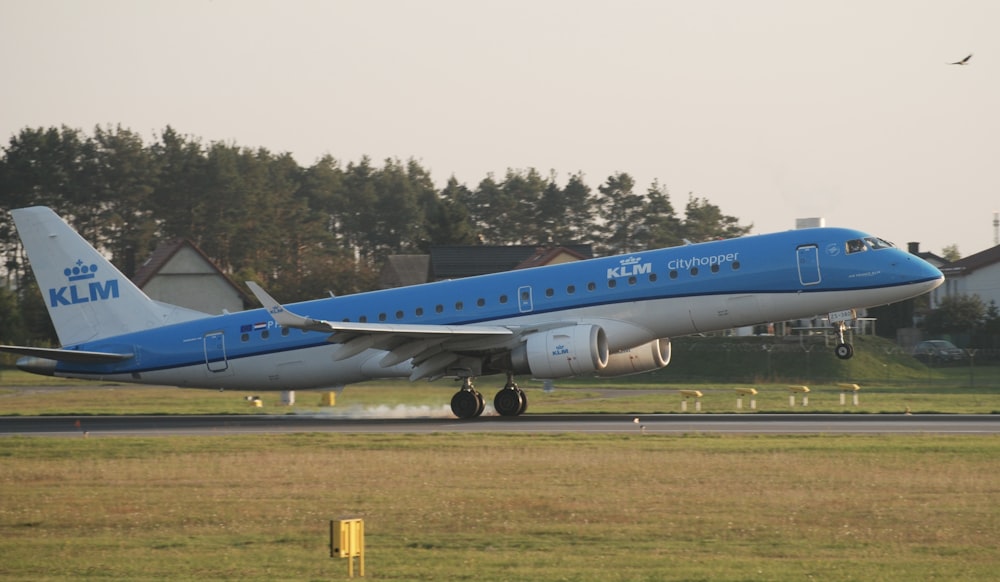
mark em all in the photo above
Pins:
pixel 80 271
pixel 82 288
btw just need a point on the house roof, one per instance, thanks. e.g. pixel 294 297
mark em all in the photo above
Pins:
pixel 453 262
pixel 972 263
pixel 403 270
pixel 546 255
pixel 166 251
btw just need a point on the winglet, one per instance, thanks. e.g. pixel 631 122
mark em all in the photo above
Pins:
pixel 282 316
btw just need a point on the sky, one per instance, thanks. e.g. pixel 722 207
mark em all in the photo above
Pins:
pixel 772 110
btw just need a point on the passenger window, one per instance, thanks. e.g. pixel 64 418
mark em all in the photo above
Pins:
pixel 245 337
pixel 652 277
pixel 736 265
pixel 265 334
pixel 694 271
pixel 381 317
pixel 284 331
pixel 363 319
pixel 591 286
pixel 715 267
pixel 399 315
pixel 632 280
pixel 503 299
pixel 571 289
pixel 673 274
pixel 612 283
pixel 439 308
pixel 550 292
pixel 459 305
pixel 480 302
pixel 419 311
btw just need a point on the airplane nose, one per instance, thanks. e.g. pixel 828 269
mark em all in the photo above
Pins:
pixel 918 271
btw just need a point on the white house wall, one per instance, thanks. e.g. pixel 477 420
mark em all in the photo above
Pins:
pixel 187 280
pixel 983 282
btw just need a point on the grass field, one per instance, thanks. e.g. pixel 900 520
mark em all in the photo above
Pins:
pixel 948 391
pixel 502 507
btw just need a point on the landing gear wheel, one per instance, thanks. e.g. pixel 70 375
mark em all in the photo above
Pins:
pixel 482 403
pixel 467 403
pixel 843 350
pixel 510 402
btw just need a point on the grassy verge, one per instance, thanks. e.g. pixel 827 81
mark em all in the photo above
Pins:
pixel 502 507
pixel 951 390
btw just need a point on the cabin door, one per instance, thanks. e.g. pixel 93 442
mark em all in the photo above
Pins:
pixel 524 303
pixel 215 352
pixel 808 258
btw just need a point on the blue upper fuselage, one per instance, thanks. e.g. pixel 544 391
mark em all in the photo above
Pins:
pixel 800 261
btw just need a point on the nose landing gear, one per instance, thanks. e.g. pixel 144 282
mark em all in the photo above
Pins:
pixel 844 350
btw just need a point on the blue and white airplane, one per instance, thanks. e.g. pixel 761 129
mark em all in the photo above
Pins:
pixel 607 317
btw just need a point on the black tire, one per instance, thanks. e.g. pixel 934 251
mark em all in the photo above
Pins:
pixel 509 402
pixel 466 404
pixel 482 403
pixel 844 351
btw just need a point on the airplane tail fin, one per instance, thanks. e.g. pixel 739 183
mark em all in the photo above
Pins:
pixel 86 296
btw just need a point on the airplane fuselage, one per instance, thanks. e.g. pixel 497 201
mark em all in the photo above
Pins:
pixel 635 299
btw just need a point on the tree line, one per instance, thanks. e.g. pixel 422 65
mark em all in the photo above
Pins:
pixel 305 230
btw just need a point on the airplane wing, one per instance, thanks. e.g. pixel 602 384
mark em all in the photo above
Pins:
pixel 433 348
pixel 77 356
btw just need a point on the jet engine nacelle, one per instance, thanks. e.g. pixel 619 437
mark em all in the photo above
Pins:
pixel 562 352
pixel 649 356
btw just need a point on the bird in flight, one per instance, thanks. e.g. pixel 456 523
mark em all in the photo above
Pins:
pixel 964 61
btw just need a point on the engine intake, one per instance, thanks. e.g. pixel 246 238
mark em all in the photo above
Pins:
pixel 562 352
pixel 649 356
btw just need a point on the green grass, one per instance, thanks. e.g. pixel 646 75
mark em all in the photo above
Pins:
pixel 949 390
pixel 509 506
pixel 502 507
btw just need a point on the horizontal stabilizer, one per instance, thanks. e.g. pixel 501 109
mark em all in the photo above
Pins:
pixel 77 356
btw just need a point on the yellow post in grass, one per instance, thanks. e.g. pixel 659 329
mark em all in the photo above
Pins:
pixel 347 540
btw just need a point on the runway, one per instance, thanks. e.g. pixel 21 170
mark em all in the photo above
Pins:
pixel 95 426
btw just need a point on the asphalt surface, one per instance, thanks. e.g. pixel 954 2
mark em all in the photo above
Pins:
pixel 77 426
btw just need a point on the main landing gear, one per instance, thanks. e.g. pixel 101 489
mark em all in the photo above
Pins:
pixel 469 403
pixel 844 350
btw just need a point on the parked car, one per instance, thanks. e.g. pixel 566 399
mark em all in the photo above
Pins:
pixel 938 351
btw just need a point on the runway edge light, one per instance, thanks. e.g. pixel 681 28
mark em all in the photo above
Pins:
pixel 844 389
pixel 696 394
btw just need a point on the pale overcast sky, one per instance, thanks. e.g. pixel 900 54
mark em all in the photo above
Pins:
pixel 772 110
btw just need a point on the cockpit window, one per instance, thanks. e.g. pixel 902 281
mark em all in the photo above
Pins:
pixel 856 246
pixel 877 243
